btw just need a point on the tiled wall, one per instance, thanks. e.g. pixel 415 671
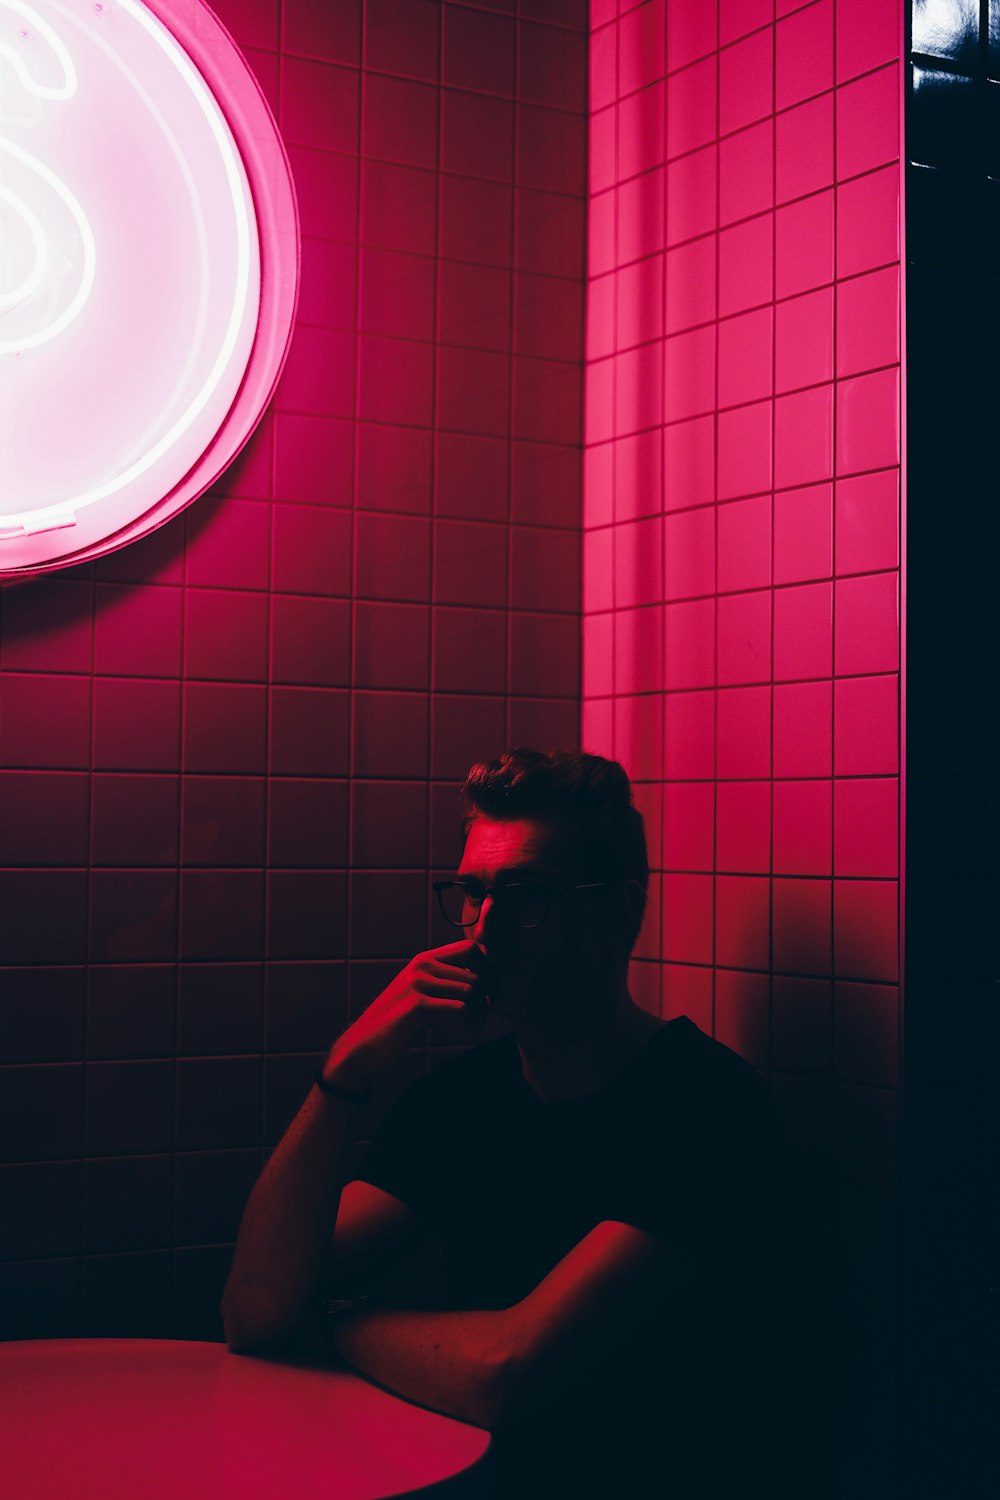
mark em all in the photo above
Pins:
pixel 228 754
pixel 952 1041
pixel 741 562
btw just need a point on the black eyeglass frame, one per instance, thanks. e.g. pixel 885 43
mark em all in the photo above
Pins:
pixel 547 890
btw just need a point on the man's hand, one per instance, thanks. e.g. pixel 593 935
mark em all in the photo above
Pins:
pixel 441 984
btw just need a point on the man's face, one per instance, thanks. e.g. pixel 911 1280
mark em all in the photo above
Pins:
pixel 535 973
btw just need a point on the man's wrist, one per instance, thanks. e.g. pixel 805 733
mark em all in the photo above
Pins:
pixel 337 1076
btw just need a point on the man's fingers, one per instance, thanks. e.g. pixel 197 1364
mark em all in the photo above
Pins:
pixel 448 973
pixel 446 987
pixel 454 954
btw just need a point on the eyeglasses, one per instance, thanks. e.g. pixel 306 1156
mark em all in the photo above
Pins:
pixel 521 903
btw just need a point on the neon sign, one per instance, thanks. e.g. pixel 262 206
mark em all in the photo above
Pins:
pixel 148 267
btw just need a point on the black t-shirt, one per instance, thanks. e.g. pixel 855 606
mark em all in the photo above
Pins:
pixel 682 1144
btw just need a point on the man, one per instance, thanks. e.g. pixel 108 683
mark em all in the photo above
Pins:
pixel 566 1234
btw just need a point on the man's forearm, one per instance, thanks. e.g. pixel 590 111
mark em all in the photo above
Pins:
pixel 285 1235
pixel 460 1363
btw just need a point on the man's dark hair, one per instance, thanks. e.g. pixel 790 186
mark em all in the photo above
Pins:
pixel 591 795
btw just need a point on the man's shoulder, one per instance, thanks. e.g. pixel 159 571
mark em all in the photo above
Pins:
pixel 692 1067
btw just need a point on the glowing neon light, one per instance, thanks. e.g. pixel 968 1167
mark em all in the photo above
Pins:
pixel 240 276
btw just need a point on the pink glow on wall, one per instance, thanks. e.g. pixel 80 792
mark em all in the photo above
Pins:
pixel 741 511
pixel 149 270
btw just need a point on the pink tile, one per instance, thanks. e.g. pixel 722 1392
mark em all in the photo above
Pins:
pixel 866 827
pixel 226 635
pixel 691 195
pixel 398 207
pixel 692 33
pixel 745 355
pixel 228 543
pixel 803 827
pixel 688 460
pixel 638 563
pixel 327 190
pixel 641 131
pixel 473 390
pixel 638 478
pixel 688 825
pixel 868 421
pixel 394 468
pixel 544 568
pixel 225 728
pixel 399 38
pixel 746 81
pixel 689 554
pixel 640 216
pixel 742 921
pixel 478 51
pixel 327 285
pixel 311 641
pixel 744 732
pixel 603 64
pixel 641 46
pixel 545 484
pixel 638 649
pixel 867 522
pixel 868 221
pixel 691 96
pixel 397 294
pixel 639 315
pixel 638 388
pixel 803 437
pixel 313 460
pixel 690 285
pixel 597 728
pixel 555 672
pixel 803 717
pixel 687 991
pixel 470 477
pixel 743 827
pixel 598 570
pixel 867 624
pixel 689 375
pixel 223 820
pixel 48 625
pixel 312 550
pixel 601 216
pixel 744 638
pixel 687 918
pixel 804 148
pixel 688 736
pixel 803 256
pixel 867 37
pixel 599 401
pixel 737 17
pixel 801 1025
pixel 47 722
pixel 137 630
pixel 309 732
pixel 598 655
pixel 746 265
pixel 319 105
pixel 805 54
pixel 393 557
pixel 803 534
pixel 744 450
pixel 742 1014
pixel 802 921
pixel 400 121
pixel 470 565
pixel 547 400
pixel 396 382
pixel 868 122
pixel 638 735
pixel 598 486
pixel 470 645
pixel 866 929
pixel 601 316
pixel 689 644
pixel 868 314
pixel 603 148
pixel 318 376
pixel 136 724
pixel 804 340
pixel 746 173
pixel 473 305
pixel 391 650
pixel 476 221
pixel 745 544
pixel 866 726
pixel 866 1033
pixel 803 632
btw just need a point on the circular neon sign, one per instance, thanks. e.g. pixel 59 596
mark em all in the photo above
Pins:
pixel 148 269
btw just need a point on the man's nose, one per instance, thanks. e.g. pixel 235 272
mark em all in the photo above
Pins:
pixel 486 922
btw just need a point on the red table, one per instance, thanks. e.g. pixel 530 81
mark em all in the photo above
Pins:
pixel 157 1419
